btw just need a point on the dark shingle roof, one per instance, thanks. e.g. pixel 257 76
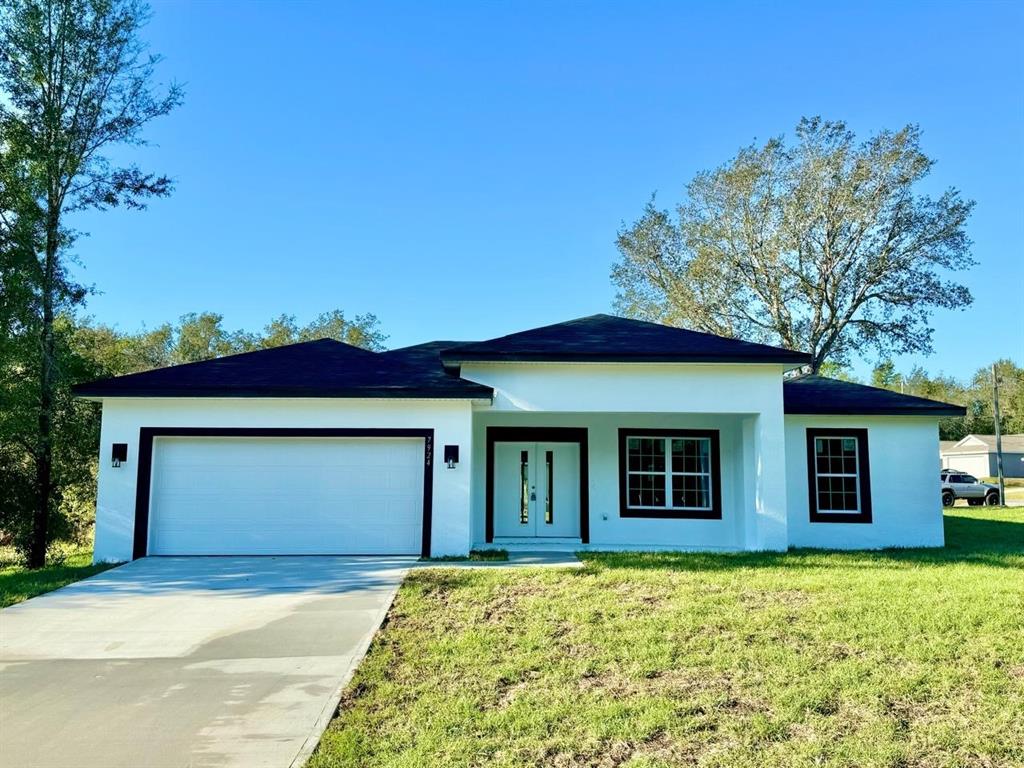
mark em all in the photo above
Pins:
pixel 323 368
pixel 426 358
pixel 606 338
pixel 821 395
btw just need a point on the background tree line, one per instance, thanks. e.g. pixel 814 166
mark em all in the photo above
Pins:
pixel 975 394
pixel 86 350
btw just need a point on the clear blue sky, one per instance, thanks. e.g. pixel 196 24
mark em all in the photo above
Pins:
pixel 461 169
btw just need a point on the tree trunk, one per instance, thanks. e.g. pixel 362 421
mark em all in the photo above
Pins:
pixel 47 378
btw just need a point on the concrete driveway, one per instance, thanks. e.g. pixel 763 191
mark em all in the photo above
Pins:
pixel 220 661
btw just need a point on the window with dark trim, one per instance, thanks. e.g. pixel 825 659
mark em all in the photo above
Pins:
pixel 670 473
pixel 838 476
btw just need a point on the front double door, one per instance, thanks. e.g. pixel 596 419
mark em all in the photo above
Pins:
pixel 536 489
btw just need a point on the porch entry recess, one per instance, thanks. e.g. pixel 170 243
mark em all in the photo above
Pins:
pixel 537 483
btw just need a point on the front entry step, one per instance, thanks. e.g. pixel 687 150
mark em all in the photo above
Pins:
pixel 535 544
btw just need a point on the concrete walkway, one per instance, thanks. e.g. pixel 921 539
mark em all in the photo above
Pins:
pixel 516 559
pixel 188 662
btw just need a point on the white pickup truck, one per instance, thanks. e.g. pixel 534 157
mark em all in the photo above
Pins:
pixel 960 485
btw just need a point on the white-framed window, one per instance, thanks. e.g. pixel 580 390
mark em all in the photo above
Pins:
pixel 839 486
pixel 672 473
pixel 836 473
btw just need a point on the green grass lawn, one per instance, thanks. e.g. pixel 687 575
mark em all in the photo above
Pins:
pixel 17 583
pixel 898 658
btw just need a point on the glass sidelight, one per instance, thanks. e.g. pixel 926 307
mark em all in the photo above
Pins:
pixel 524 487
pixel 549 500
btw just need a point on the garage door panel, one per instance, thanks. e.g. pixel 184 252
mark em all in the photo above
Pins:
pixel 286 496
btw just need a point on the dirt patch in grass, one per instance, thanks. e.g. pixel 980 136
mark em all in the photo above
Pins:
pixel 676 683
pixel 782 598
pixel 509 600
pixel 700 691
pixel 659 749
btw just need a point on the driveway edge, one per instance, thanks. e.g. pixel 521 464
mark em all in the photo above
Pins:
pixel 327 714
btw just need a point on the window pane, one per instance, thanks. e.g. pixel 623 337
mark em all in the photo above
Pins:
pixel 837 494
pixel 646 490
pixel 646 454
pixel 549 504
pixel 691 454
pixel 524 487
pixel 692 491
pixel 633 454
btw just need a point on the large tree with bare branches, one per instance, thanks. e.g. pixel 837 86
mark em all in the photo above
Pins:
pixel 825 245
pixel 75 81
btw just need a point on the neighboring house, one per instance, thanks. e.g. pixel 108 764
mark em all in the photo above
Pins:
pixel 600 432
pixel 976 455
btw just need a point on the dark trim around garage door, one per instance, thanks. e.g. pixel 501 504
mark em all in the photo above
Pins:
pixel 146 435
pixel 539 435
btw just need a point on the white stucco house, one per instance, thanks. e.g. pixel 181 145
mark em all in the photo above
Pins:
pixel 601 433
pixel 976 455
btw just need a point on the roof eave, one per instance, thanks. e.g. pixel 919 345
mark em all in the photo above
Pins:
pixel 795 359
pixel 372 393
pixel 839 411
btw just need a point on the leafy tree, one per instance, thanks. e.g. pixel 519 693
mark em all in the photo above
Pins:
pixel 75 435
pixel 823 245
pixel 837 371
pixel 885 376
pixel 980 413
pixel 362 331
pixel 975 396
pixel 75 81
pixel 202 337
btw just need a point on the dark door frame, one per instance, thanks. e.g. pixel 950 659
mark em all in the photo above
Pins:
pixel 540 435
pixel 143 484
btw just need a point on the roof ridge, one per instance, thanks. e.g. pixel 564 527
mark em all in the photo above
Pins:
pixel 613 338
pixel 235 356
pixel 317 367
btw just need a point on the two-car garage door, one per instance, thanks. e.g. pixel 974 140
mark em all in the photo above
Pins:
pixel 286 495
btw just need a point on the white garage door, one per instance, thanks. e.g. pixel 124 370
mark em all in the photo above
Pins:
pixel 263 496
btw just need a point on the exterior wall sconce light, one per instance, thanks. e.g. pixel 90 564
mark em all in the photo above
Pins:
pixel 451 456
pixel 119 454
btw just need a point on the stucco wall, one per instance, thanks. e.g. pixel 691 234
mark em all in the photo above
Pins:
pixel 743 401
pixel 631 388
pixel 905 501
pixel 122 418
pixel 607 528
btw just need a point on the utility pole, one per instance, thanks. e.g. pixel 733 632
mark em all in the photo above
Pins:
pixel 999 436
